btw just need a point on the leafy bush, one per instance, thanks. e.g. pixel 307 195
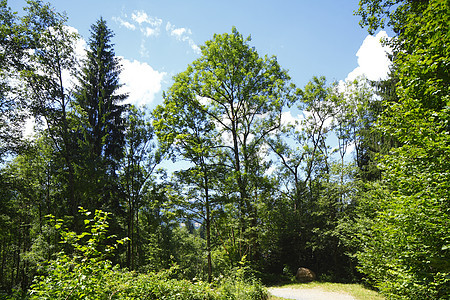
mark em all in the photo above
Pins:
pixel 86 270
pixel 86 273
pixel 241 284
pixel 241 289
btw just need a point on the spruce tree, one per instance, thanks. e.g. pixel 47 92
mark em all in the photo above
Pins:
pixel 102 125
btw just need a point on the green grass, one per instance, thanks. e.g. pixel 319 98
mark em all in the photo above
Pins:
pixel 358 291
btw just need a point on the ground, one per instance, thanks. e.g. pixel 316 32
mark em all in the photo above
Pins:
pixel 308 294
pixel 324 291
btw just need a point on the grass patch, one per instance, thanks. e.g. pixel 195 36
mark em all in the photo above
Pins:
pixel 358 291
pixel 276 298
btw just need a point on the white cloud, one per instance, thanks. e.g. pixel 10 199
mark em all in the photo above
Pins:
pixel 169 27
pixel 287 119
pixel 124 23
pixel 143 51
pixel 79 48
pixel 28 129
pixel 271 170
pixel 179 33
pixel 372 58
pixel 139 16
pixel 203 100
pixel 182 34
pixel 80 45
pixel 142 17
pixel 150 31
pixel 194 46
pixel 140 81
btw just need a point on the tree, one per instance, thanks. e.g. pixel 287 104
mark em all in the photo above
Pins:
pixel 31 189
pixel 357 110
pixel 188 134
pixel 36 57
pixel 375 13
pixel 408 252
pixel 12 114
pixel 12 105
pixel 318 188
pixel 243 94
pixel 300 165
pixel 137 175
pixel 302 154
pixel 45 85
pixel 102 127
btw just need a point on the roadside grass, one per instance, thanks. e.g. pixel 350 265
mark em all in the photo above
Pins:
pixel 358 291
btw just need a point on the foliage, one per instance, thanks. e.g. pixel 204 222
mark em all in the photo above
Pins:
pixel 405 249
pixel 317 192
pixel 27 195
pixel 216 116
pixel 234 288
pixel 12 114
pixel 87 274
pixel 100 124
pixel 82 269
pixel 280 195
pixel 44 84
pixel 137 174
pixel 187 134
pixel 97 98
pixel 378 14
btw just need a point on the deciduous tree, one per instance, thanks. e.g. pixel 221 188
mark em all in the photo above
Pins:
pixel 408 252
pixel 137 176
pixel 50 61
pixel 243 94
pixel 188 134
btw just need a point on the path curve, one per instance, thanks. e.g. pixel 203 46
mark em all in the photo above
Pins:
pixel 308 294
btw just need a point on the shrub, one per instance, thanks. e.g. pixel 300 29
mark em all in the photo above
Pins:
pixel 86 273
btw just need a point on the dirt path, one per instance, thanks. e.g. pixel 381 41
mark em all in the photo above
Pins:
pixel 308 294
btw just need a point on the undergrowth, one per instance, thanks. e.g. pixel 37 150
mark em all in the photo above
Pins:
pixel 84 272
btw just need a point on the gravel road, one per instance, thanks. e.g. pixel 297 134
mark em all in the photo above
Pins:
pixel 308 294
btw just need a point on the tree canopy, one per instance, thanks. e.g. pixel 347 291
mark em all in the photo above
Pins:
pixel 407 255
pixel 248 195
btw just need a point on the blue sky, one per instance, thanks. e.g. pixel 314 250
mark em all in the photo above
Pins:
pixel 158 39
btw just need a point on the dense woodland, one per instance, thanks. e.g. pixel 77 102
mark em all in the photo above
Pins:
pixel 357 190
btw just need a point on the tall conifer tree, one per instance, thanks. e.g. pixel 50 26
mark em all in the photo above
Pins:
pixel 98 104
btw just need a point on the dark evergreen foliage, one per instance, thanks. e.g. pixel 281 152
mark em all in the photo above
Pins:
pixel 101 128
pixel 98 99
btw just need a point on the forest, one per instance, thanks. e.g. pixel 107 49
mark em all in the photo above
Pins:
pixel 88 209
